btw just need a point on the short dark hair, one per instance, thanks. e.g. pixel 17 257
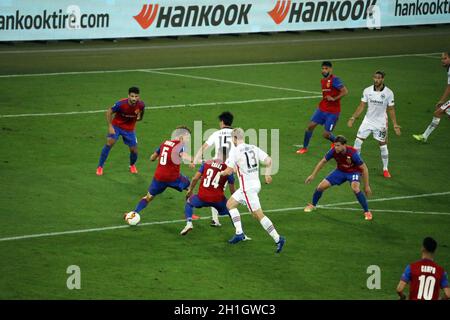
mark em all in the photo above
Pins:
pixel 430 244
pixel 133 90
pixel 327 64
pixel 227 118
pixel 381 73
pixel 341 139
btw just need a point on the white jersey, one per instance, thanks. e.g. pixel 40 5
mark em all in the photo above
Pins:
pixel 221 139
pixel 377 103
pixel 448 74
pixel 245 159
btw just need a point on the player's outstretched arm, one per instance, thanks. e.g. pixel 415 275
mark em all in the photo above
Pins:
pixel 444 97
pixel 391 110
pixel 316 170
pixel 228 171
pixel 356 114
pixel 446 294
pixel 268 171
pixel 154 156
pixel 194 181
pixel 186 156
pixel 365 174
pixel 198 155
pixel 400 288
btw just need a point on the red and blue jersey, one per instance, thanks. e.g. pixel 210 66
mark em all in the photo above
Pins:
pixel 348 161
pixel 212 184
pixel 425 278
pixel 331 86
pixel 168 169
pixel 125 115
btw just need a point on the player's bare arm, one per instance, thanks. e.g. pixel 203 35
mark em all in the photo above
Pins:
pixel 342 93
pixel 444 97
pixel 391 111
pixel 268 164
pixel 140 115
pixel 316 170
pixel 186 156
pixel 154 156
pixel 228 171
pixel 365 174
pixel 198 155
pixel 446 294
pixel 400 288
pixel 356 114
pixel 194 181
pixel 109 114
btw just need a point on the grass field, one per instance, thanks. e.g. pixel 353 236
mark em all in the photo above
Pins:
pixel 53 128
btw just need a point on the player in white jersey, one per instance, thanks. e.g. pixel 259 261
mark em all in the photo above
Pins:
pixel 221 139
pixel 245 159
pixel 379 100
pixel 443 105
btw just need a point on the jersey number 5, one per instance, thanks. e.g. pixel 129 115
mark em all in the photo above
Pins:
pixel 163 157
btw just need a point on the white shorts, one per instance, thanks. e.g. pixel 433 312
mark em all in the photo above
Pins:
pixel 379 133
pixel 248 197
pixel 446 107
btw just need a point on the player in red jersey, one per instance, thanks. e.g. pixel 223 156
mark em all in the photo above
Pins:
pixel 425 277
pixel 167 175
pixel 350 167
pixel 327 114
pixel 126 112
pixel 211 193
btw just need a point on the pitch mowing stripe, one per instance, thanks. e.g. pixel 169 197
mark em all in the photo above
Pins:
pixel 387 210
pixel 217 66
pixel 224 43
pixel 330 206
pixel 229 81
pixel 204 104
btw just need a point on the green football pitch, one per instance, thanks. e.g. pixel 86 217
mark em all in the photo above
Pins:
pixel 55 212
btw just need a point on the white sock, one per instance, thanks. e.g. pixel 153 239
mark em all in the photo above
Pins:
pixel 236 219
pixel 433 125
pixel 384 156
pixel 268 226
pixel 214 214
pixel 189 224
pixel 358 144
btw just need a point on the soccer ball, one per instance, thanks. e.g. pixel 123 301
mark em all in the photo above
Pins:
pixel 132 218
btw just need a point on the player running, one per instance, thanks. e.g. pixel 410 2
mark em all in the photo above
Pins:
pixel 167 175
pixel 425 277
pixel 442 107
pixel 327 114
pixel 349 168
pixel 126 112
pixel 378 98
pixel 221 139
pixel 245 159
pixel 211 193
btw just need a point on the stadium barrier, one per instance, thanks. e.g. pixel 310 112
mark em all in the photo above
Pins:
pixel 22 20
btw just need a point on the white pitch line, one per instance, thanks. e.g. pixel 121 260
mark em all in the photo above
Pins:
pixel 222 43
pixel 51 234
pixel 229 81
pixel 204 104
pixel 387 210
pixel 215 66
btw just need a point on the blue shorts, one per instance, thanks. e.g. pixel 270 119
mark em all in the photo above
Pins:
pixel 326 119
pixel 221 206
pixel 157 187
pixel 338 177
pixel 129 137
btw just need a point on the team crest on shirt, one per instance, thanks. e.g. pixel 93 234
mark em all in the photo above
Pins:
pixel 383 96
pixel 329 84
pixel 349 160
